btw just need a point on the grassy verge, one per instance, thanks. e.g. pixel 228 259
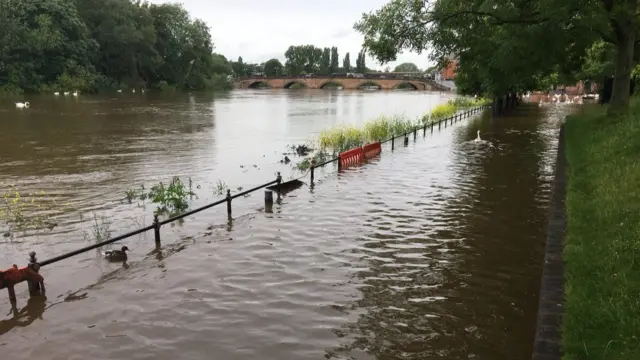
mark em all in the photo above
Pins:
pixel 602 249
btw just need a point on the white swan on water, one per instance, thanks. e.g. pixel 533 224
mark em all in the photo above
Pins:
pixel 477 139
pixel 20 105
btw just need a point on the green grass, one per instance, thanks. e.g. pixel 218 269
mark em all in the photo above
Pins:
pixel 602 248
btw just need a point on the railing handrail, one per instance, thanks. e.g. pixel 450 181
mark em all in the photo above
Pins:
pixel 156 225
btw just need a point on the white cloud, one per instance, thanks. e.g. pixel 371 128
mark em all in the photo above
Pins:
pixel 259 30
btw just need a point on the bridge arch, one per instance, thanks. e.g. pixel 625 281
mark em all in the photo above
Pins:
pixel 294 84
pixel 258 84
pixel 369 83
pixel 331 84
pixel 407 85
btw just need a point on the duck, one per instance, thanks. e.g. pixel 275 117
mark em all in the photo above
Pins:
pixel 477 139
pixel 117 255
pixel 20 105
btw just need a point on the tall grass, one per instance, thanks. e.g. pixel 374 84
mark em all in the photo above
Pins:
pixel 451 107
pixel 383 127
pixel 602 244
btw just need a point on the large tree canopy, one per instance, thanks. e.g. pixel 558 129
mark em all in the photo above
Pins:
pixel 407 67
pixel 505 46
pixel 89 45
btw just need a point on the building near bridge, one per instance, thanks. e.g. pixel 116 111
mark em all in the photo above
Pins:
pixel 449 72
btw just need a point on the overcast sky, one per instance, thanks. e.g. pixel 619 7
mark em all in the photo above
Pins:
pixel 259 30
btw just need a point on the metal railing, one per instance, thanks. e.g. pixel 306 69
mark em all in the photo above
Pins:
pixel 157 224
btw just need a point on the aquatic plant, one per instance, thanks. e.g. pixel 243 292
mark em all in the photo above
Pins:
pixel 171 199
pixel 22 212
pixel 99 230
pixel 220 188
pixel 319 156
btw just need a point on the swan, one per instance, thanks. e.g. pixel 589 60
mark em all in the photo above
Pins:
pixel 133 91
pixel 477 139
pixel 66 93
pixel 75 93
pixel 56 93
pixel 20 105
pixel 119 90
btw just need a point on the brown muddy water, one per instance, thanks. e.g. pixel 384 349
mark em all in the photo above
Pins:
pixel 431 251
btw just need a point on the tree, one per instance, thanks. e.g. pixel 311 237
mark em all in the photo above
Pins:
pixel 486 34
pixel 239 68
pixel 273 67
pixel 361 65
pixel 41 41
pixel 303 58
pixel 406 67
pixel 325 61
pixel 346 63
pixel 335 61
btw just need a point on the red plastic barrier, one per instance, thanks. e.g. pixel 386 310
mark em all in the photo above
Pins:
pixel 371 150
pixel 351 157
pixel 14 276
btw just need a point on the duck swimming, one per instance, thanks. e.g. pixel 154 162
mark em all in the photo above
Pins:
pixel 117 255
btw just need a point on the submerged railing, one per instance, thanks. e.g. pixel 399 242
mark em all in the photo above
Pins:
pixel 15 275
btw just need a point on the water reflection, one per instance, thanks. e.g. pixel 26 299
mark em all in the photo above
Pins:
pixel 24 317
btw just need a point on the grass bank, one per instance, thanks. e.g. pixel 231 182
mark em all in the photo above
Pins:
pixel 602 245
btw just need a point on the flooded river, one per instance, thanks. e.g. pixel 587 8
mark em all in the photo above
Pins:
pixel 431 251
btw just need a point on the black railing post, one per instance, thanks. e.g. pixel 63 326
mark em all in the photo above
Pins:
pixel 35 287
pixel 268 201
pixel 439 124
pixel 156 229
pixel 278 181
pixel 393 142
pixel 424 130
pixel 406 139
pixel 313 166
pixel 415 129
pixel 229 202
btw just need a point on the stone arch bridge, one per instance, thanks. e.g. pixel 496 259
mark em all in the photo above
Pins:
pixel 349 83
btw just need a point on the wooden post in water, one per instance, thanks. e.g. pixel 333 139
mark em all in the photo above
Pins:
pixel 414 133
pixel 229 203
pixel 424 130
pixel 268 201
pixel 439 124
pixel 406 139
pixel 393 142
pixel 156 229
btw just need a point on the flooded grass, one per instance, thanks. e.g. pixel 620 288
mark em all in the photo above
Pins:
pixel 602 246
pixel 451 107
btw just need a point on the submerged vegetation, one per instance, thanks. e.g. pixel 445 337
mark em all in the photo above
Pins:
pixel 171 199
pixel 23 212
pixel 344 137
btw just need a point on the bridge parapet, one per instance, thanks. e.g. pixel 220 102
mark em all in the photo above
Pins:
pixel 347 82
